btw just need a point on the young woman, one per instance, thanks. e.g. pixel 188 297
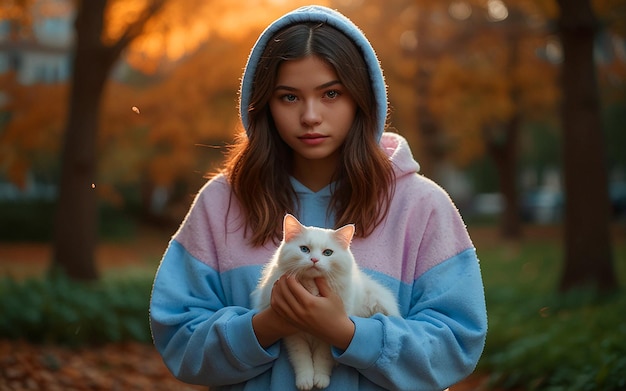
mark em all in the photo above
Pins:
pixel 313 107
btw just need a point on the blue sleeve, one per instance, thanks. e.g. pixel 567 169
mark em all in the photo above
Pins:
pixel 439 341
pixel 201 339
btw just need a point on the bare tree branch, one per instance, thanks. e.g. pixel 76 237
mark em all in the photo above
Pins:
pixel 136 28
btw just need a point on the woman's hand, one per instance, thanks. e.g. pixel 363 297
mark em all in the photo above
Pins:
pixel 322 316
pixel 269 327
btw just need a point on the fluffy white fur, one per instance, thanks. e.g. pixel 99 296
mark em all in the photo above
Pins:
pixel 307 253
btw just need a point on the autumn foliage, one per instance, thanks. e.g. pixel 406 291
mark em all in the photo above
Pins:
pixel 172 100
pixel 173 97
pixel 30 140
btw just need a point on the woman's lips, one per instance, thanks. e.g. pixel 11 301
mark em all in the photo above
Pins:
pixel 312 138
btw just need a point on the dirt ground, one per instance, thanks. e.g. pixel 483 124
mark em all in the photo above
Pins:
pixel 126 366
pixel 112 367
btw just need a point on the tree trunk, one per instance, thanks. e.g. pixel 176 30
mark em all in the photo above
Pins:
pixel 588 255
pixel 76 220
pixel 504 147
pixel 431 150
pixel 504 155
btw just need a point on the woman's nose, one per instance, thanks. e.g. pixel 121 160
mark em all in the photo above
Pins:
pixel 311 115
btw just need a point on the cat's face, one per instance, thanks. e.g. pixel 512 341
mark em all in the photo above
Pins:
pixel 315 252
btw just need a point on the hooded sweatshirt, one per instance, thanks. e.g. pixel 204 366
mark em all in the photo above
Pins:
pixel 200 309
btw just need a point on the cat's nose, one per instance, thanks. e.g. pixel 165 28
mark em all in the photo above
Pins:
pixel 314 260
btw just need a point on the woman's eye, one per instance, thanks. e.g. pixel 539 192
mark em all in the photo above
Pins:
pixel 304 249
pixel 327 252
pixel 289 98
pixel 332 94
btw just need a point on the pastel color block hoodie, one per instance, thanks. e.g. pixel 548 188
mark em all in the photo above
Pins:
pixel 200 309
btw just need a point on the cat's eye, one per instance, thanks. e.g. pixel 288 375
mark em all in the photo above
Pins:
pixel 327 252
pixel 304 249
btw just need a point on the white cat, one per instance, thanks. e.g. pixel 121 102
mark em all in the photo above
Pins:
pixel 307 253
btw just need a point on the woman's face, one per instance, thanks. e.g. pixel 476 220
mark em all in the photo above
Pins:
pixel 313 111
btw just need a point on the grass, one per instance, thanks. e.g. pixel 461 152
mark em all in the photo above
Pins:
pixel 538 339
pixel 541 339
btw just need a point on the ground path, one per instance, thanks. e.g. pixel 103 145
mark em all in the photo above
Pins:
pixel 111 367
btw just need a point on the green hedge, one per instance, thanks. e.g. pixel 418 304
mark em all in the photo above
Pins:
pixel 569 342
pixel 33 221
pixel 538 339
pixel 26 220
pixel 58 310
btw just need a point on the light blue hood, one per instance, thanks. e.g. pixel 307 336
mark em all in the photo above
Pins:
pixel 333 18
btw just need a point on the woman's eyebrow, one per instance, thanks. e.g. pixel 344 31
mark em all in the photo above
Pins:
pixel 320 87
pixel 329 84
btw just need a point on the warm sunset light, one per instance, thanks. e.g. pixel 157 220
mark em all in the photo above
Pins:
pixel 122 140
pixel 182 26
pixel 460 10
pixel 497 10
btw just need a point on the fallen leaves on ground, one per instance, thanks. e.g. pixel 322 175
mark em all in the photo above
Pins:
pixel 129 366
pixel 124 366
pixel 112 367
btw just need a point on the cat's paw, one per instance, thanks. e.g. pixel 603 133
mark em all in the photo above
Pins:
pixel 304 382
pixel 321 380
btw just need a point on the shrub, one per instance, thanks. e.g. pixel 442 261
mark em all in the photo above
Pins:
pixel 553 344
pixel 32 220
pixel 540 339
pixel 56 309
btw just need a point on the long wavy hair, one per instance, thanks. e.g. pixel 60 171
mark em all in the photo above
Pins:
pixel 257 164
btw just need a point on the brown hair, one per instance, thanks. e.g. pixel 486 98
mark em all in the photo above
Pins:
pixel 255 164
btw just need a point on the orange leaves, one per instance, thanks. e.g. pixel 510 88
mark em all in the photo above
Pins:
pixel 466 100
pixel 492 75
pixel 539 89
pixel 30 138
pixel 17 169
pixel 15 10
pixel 151 133
pixel 127 366
pixel 612 14
pixel 180 27
pixel 120 15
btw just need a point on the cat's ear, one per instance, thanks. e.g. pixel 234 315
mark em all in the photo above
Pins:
pixel 344 235
pixel 291 227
